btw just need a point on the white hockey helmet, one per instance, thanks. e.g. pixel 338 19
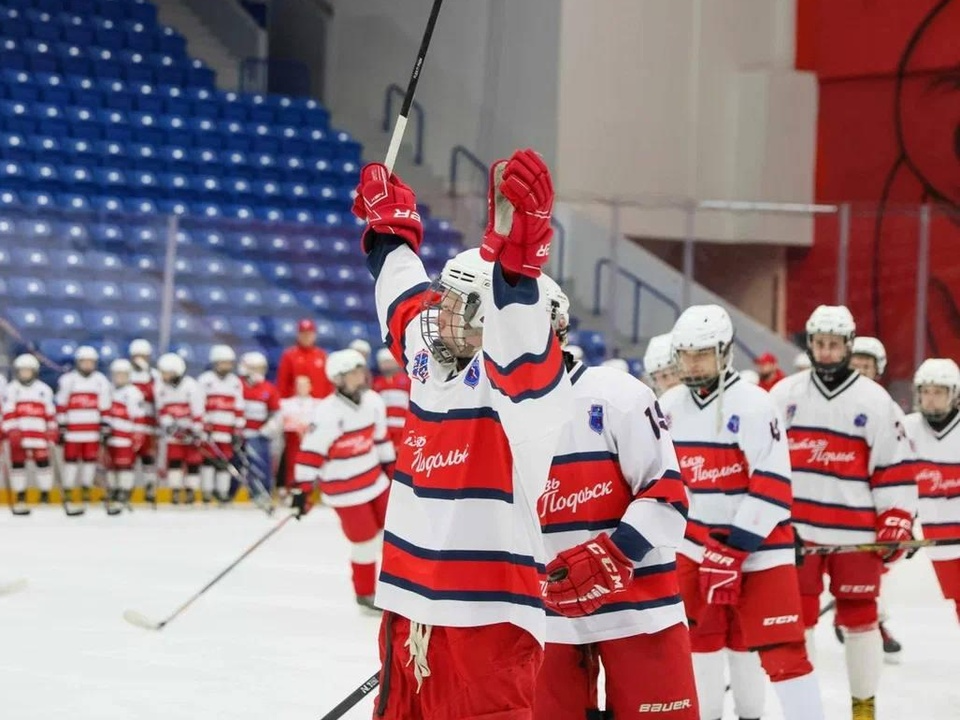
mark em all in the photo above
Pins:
pixel 86 352
pixel 361 346
pixel 121 366
pixel 659 354
pixel 617 364
pixel 386 362
pixel 222 354
pixel 750 376
pixel 871 347
pixel 26 363
pixel 575 351
pixel 558 306
pixel 254 362
pixel 343 361
pixel 703 327
pixel 172 364
pixel 462 291
pixel 831 320
pixel 938 372
pixel 802 362
pixel 140 348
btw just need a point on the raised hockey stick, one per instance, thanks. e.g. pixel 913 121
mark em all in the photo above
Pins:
pixel 398 129
pixel 876 546
pixel 140 620
pixel 353 698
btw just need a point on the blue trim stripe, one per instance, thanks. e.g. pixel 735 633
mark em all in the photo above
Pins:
pixel 404 296
pixel 530 357
pixel 461 595
pixel 832 526
pixel 525 292
pixel 644 605
pixel 771 476
pixel 476 413
pixel 631 542
pixel 381 247
pixel 590 525
pixel 578 373
pixel 452 493
pixel 497 556
pixel 699 444
pixel 838 506
pixel 534 394
pixel 595 456
pixel 771 501
pixel 654 570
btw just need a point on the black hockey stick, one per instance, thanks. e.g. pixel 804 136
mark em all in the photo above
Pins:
pixel 101 479
pixel 58 476
pixel 353 698
pixel 257 497
pixel 135 618
pixel 15 509
pixel 394 148
pixel 877 546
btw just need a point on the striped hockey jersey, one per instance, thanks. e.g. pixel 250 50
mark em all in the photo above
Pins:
pixel 850 457
pixel 144 380
pixel 180 409
pixel 125 416
pixel 345 447
pixel 261 401
pixel 223 409
pixel 937 470
pixel 462 543
pixel 395 392
pixel 30 410
pixel 82 403
pixel 735 462
pixel 616 471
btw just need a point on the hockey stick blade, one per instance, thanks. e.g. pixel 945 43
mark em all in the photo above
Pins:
pixel 140 620
pixel 14 587
pixel 353 698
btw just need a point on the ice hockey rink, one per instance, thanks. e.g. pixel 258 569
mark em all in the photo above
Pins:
pixel 280 636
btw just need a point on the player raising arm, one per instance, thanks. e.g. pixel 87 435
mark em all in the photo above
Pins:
pixel 463 557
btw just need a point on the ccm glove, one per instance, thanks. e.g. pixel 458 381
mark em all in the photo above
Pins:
pixel 894 525
pixel 587 576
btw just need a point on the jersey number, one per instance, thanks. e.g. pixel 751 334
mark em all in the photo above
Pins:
pixel 659 423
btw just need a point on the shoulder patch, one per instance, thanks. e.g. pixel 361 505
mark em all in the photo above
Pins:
pixel 860 420
pixel 472 377
pixel 733 425
pixel 420 369
pixel 791 411
pixel 596 418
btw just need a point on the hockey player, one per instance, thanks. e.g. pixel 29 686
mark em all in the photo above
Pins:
pixel 935 432
pixel 125 420
pixel 393 385
pixel 614 485
pixel 30 426
pixel 737 568
pixel 347 449
pixel 658 364
pixel 869 358
pixel 463 555
pixel 83 399
pixel 180 409
pixel 144 377
pixel 261 412
pixel 223 422
pixel 296 414
pixel 851 484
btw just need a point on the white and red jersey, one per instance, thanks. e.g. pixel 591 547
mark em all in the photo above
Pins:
pixel 180 408
pixel 344 448
pixel 125 417
pixel 937 470
pixel 29 409
pixel 735 461
pixel 850 457
pixel 261 401
pixel 223 413
pixel 616 471
pixel 394 390
pixel 296 413
pixel 462 542
pixel 144 381
pixel 82 404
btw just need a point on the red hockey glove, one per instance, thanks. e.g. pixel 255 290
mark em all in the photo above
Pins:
pixel 720 573
pixel 388 205
pixel 301 499
pixel 894 525
pixel 586 576
pixel 519 203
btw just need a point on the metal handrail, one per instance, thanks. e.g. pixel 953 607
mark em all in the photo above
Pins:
pixel 638 286
pixel 560 236
pixel 395 90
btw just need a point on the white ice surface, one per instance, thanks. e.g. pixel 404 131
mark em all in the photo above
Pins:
pixel 280 637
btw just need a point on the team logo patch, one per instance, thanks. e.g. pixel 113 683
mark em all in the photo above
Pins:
pixel 472 378
pixel 733 425
pixel 860 420
pixel 791 411
pixel 775 429
pixel 596 418
pixel 421 366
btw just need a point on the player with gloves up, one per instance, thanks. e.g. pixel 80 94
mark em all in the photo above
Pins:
pixel 463 557
pixel 613 515
pixel 737 564
pixel 852 484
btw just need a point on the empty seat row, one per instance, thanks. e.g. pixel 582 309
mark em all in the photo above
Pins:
pixel 116 10
pixel 103 32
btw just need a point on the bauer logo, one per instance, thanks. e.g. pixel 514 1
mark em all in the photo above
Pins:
pixel 665 707
pixel 420 370
pixel 596 418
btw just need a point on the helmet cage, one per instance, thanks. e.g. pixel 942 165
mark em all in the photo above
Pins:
pixel 462 312
pixel 724 356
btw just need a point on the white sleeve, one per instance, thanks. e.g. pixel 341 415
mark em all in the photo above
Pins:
pixel 63 397
pixel 891 470
pixel 385 449
pixel 105 398
pixel 402 286
pixel 314 447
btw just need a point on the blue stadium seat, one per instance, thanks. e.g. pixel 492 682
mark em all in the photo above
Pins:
pixel 107 203
pixel 282 302
pixel 172 207
pixel 103 294
pixel 34 231
pixel 59 350
pixel 101 322
pixel 29 260
pixel 186 325
pixel 247 299
pixel 41 173
pixel 211 296
pixel 299 215
pixel 62 320
pixel 28 290
pixel 218 324
pixel 307 275
pixel 139 324
pixel 141 293
pixel 67 291
pixel 13 146
pixel 141 205
pixel 248 326
pixel 109 351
